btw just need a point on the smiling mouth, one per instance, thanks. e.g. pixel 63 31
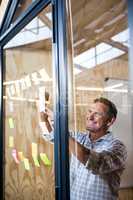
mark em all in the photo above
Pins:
pixel 91 122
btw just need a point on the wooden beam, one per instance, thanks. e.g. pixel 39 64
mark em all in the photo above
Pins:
pixel 94 38
pixel 90 12
pixel 99 21
pixel 45 20
pixel 117 45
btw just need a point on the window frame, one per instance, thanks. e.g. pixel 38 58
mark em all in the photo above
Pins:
pixel 61 152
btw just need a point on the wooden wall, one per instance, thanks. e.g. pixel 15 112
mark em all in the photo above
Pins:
pixel 27 174
pixel 126 194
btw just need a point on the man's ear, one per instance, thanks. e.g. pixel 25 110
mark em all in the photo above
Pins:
pixel 111 121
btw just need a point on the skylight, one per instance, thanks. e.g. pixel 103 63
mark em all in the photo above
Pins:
pixel 85 56
pixel 98 55
pixel 76 71
pixel 33 32
pixel 122 37
pixel 108 55
pixel 102 47
pixel 49 15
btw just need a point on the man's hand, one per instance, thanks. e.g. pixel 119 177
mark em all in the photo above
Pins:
pixel 45 118
pixel 79 150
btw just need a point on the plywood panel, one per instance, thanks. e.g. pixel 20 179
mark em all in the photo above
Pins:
pixel 26 177
pixel 126 194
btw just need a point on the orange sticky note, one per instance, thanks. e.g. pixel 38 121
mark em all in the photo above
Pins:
pixel 11 141
pixel 20 156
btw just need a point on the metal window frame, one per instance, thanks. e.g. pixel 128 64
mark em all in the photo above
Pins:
pixel 9 14
pixel 62 186
pixel 60 79
pixel 2 149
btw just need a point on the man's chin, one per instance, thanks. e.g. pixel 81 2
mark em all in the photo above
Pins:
pixel 91 129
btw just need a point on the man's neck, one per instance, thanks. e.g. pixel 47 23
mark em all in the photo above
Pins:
pixel 94 136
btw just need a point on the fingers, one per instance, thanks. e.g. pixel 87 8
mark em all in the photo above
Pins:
pixel 44 116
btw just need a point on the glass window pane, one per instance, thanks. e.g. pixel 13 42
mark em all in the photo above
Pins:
pixel 100 52
pixel 22 6
pixel 3 5
pixel 28 94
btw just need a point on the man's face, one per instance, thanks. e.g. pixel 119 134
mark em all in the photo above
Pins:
pixel 97 118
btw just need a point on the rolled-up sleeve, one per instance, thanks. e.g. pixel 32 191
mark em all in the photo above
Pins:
pixel 108 160
pixel 48 137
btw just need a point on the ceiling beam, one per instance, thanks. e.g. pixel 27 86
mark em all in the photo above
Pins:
pixel 92 38
pixel 100 21
pixel 45 20
pixel 117 45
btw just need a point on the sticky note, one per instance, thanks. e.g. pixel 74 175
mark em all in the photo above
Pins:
pixel 11 141
pixel 28 81
pixel 14 155
pixel 36 161
pixel 45 159
pixel 12 90
pixel 17 86
pixel 35 78
pixel 8 92
pixel 34 149
pixel 11 123
pixel 26 164
pixel 23 85
pixel 42 99
pixel 20 156
pixel 11 106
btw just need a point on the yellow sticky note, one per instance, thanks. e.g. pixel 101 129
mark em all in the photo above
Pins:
pixel 20 156
pixel 26 164
pixel 36 161
pixel 11 141
pixel 34 149
pixel 45 159
pixel 11 123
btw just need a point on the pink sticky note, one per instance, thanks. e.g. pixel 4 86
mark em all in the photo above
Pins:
pixel 14 155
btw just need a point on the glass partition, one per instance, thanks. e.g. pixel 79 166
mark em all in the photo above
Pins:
pixel 100 58
pixel 28 92
pixel 3 5
pixel 21 7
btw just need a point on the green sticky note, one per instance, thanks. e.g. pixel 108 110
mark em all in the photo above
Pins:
pixel 36 161
pixel 45 159
pixel 11 123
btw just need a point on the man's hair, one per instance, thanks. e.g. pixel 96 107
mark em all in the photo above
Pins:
pixel 112 108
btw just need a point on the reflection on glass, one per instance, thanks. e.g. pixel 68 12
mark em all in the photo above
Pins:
pixel 22 7
pixel 28 92
pixel 100 44
pixel 3 5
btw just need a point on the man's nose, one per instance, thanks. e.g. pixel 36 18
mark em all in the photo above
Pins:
pixel 90 115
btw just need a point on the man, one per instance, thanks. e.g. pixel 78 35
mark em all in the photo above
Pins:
pixel 98 159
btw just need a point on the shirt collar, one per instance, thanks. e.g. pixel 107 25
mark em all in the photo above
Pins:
pixel 106 137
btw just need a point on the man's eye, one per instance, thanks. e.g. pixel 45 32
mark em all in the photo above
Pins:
pixel 89 111
pixel 97 114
